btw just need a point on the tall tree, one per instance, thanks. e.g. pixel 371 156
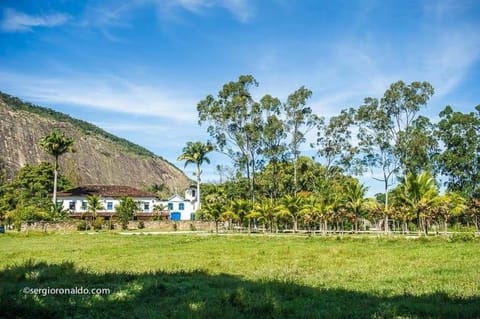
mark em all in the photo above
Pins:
pixel 383 130
pixel 30 187
pixel 460 158
pixel 274 135
pixel 299 119
pixel 234 120
pixel 196 153
pixel 334 140
pixel 56 144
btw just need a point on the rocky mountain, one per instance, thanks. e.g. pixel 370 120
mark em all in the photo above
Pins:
pixel 99 157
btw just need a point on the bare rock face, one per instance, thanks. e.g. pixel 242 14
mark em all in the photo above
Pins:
pixel 99 157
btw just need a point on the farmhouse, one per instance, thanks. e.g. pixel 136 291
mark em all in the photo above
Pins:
pixel 174 208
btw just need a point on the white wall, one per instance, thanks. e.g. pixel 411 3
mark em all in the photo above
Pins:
pixel 109 204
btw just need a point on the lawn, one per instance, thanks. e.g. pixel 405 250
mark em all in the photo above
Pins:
pixel 209 276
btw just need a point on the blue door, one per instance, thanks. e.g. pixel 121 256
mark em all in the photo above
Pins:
pixel 175 216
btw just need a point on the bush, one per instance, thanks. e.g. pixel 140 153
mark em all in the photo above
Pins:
pixel 83 225
pixel 97 223
pixel 461 237
pixel 175 226
pixel 141 225
pixel 192 227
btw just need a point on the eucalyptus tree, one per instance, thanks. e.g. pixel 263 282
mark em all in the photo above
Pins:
pixel 196 153
pixel 56 144
pixel 299 120
pixel 334 140
pixel 274 135
pixel 459 160
pixel 383 127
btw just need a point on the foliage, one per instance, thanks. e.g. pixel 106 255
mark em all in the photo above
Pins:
pixel 460 158
pixel 83 225
pixel 299 120
pixel 94 204
pixel 214 207
pixel 125 210
pixel 30 187
pixel 385 126
pixel 418 194
pixel 97 223
pixel 334 140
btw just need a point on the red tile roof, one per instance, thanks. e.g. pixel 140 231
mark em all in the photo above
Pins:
pixel 105 191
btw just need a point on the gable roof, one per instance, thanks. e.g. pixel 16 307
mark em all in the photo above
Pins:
pixel 105 191
pixel 176 196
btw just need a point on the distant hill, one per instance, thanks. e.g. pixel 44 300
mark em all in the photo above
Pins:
pixel 99 158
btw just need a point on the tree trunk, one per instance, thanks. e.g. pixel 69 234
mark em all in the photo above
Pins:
pixel 55 176
pixel 199 205
pixel 295 174
pixel 386 228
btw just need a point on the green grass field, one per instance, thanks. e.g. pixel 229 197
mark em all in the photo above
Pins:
pixel 208 276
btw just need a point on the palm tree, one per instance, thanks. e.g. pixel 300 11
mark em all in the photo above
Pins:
pixel 266 210
pixel 447 205
pixel 56 144
pixel 214 208
pixel 94 204
pixel 355 199
pixel 241 208
pixel 293 204
pixel 196 153
pixel 418 193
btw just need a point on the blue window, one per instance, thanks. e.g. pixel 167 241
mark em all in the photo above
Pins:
pixel 170 206
pixel 84 205
pixel 146 206
pixel 109 205
pixel 71 206
pixel 181 206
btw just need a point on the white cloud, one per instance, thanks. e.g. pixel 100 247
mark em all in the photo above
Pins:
pixel 242 10
pixel 14 21
pixel 105 92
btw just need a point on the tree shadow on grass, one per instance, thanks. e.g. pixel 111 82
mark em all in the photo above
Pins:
pixel 198 294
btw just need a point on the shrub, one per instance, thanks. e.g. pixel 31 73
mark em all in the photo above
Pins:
pixel 83 225
pixel 192 227
pixel 97 223
pixel 175 226
pixel 461 237
pixel 141 225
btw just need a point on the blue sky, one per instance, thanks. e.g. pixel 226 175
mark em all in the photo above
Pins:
pixel 138 68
